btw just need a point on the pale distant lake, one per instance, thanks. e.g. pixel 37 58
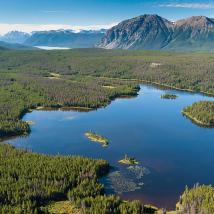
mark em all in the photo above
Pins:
pixel 52 48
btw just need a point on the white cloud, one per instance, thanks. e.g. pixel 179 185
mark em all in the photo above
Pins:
pixel 28 28
pixel 190 5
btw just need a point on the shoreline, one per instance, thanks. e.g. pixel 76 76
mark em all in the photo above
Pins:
pixel 196 121
pixel 63 108
pixel 178 89
pixel 76 107
pixel 153 83
pixel 87 109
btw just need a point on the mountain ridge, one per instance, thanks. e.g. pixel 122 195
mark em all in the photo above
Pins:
pixel 16 37
pixel 148 32
pixel 151 31
pixel 60 38
pixel 65 38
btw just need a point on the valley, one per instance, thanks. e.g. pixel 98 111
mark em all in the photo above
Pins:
pixel 50 99
pixel 106 107
pixel 156 146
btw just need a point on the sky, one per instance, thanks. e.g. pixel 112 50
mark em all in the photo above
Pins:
pixel 33 15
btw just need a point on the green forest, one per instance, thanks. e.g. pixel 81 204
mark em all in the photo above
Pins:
pixel 90 78
pixel 86 78
pixel 201 112
pixel 29 182
pixel 199 199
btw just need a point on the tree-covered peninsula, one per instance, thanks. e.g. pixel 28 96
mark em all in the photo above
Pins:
pixel 29 182
pixel 201 113
pixel 90 78
pixel 33 183
pixel 199 199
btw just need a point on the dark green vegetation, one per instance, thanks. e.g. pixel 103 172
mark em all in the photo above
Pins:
pixel 169 96
pixel 199 199
pixel 201 113
pixel 29 181
pixel 90 78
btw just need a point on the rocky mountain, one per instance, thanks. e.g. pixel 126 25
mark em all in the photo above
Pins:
pixel 194 33
pixel 143 32
pixel 15 37
pixel 65 38
pixel 155 32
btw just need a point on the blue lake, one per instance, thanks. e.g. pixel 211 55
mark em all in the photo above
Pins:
pixel 175 151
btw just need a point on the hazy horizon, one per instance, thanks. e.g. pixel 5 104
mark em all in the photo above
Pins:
pixel 29 16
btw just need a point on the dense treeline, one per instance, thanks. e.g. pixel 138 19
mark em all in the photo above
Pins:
pixel 192 71
pixel 89 198
pixel 22 93
pixel 29 180
pixel 201 112
pixel 89 78
pixel 111 204
pixel 199 199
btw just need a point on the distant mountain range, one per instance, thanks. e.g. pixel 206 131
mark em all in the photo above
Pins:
pixel 15 37
pixel 157 33
pixel 65 38
pixel 56 38
pixel 150 32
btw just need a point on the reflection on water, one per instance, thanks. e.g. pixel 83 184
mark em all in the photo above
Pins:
pixel 175 151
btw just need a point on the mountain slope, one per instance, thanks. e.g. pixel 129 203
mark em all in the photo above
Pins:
pixel 195 33
pixel 65 38
pixel 143 32
pixel 155 32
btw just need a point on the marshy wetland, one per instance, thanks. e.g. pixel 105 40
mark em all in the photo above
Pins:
pixel 172 151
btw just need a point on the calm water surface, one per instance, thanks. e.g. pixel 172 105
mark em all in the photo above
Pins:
pixel 153 130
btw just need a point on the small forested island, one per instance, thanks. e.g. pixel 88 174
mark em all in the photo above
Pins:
pixel 169 96
pixel 97 138
pixel 128 160
pixel 201 113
